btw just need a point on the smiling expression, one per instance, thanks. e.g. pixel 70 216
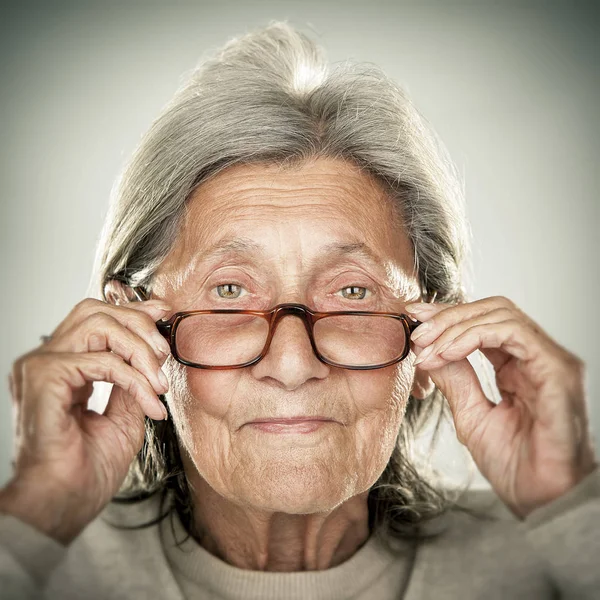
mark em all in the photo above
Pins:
pixel 324 235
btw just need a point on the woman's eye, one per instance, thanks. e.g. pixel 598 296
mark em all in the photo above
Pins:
pixel 229 290
pixel 354 292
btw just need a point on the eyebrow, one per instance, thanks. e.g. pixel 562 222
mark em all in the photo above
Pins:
pixel 397 278
pixel 241 245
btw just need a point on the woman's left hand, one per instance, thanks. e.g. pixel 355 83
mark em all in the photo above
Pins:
pixel 535 444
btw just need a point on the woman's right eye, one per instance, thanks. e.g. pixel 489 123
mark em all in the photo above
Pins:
pixel 230 290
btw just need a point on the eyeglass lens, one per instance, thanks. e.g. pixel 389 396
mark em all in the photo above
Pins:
pixel 234 339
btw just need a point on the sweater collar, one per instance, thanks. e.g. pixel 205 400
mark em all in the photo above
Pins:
pixel 205 571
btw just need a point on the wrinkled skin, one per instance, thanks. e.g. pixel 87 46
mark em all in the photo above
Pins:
pixel 288 502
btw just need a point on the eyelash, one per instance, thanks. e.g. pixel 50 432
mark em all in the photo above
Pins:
pixel 347 287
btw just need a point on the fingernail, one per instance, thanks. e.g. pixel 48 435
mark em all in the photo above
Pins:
pixel 420 330
pixel 163 409
pixel 161 345
pixel 423 355
pixel 163 379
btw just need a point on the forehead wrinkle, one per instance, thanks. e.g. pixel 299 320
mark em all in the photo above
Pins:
pixel 290 181
pixel 226 195
pixel 397 279
pixel 277 209
pixel 201 224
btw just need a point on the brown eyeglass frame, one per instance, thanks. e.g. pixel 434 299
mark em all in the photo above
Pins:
pixel 168 329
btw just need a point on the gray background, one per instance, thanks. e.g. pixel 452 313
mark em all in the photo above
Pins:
pixel 512 89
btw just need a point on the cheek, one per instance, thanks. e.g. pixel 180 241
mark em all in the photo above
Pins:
pixel 380 399
pixel 380 394
pixel 201 404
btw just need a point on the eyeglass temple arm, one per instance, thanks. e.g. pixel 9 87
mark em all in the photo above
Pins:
pixel 141 293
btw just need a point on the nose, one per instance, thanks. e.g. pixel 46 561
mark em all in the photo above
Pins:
pixel 290 360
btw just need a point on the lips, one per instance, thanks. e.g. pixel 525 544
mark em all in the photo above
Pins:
pixel 290 420
pixel 290 426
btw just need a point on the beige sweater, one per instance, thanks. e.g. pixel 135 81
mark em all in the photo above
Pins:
pixel 553 553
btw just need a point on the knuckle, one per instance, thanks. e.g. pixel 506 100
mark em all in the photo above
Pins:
pixel 18 363
pixel 96 340
pixel 503 302
pixel 112 361
pixel 34 363
pixel 88 305
pixel 129 378
pixel 99 320
pixel 149 359
pixel 34 369
pixel 136 387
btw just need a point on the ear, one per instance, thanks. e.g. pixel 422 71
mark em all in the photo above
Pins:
pixel 422 385
pixel 117 292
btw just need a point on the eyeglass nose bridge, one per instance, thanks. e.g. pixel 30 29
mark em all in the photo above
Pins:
pixel 297 310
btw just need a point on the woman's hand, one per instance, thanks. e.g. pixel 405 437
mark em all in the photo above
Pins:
pixel 535 444
pixel 70 461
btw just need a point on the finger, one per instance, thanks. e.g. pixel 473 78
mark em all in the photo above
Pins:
pixel 17 379
pixel 59 374
pixel 436 321
pixel 514 338
pixel 436 339
pixel 101 332
pixel 128 415
pixel 139 317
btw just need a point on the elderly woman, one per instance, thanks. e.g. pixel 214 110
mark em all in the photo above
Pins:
pixel 287 245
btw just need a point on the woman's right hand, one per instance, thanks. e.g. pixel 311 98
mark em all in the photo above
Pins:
pixel 69 461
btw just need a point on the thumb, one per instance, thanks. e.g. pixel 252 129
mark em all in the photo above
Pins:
pixel 461 387
pixel 127 414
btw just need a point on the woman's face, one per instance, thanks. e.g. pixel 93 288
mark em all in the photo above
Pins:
pixel 255 236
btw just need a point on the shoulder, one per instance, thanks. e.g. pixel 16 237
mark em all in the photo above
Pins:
pixel 483 537
pixel 116 556
pixel 483 550
pixel 476 517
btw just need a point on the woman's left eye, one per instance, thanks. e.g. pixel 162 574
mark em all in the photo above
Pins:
pixel 229 290
pixel 354 292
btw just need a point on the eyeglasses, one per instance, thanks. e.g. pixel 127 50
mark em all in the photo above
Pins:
pixel 234 338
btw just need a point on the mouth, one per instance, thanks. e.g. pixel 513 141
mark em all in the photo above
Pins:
pixel 289 420
pixel 292 425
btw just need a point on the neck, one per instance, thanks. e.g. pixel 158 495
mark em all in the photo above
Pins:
pixel 253 539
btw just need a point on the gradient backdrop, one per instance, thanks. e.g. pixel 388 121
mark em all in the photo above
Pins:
pixel 512 88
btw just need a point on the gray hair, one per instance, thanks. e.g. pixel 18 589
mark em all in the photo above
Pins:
pixel 269 96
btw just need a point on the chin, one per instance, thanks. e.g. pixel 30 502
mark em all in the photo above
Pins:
pixel 306 502
pixel 298 489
